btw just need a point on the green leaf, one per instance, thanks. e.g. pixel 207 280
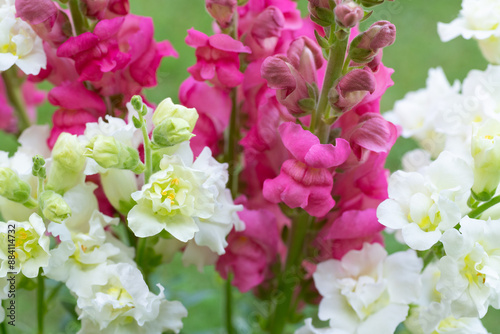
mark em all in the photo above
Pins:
pixel 323 42
pixel 307 105
pixel 325 15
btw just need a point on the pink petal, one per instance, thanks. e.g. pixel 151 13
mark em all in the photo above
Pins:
pixel 297 140
pixel 196 38
pixel 75 45
pixel 327 155
pixel 226 43
pixel 106 29
pixel 355 224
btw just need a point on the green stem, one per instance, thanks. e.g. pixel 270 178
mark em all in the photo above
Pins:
pixel 14 94
pixel 40 302
pixel 231 147
pixel 148 153
pixel 79 21
pixel 139 258
pixel 229 304
pixel 480 209
pixel 289 277
pixel 333 72
pixel 3 327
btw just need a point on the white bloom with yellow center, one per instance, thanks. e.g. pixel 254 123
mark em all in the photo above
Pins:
pixel 19 44
pixel 424 205
pixel 82 255
pixel 470 271
pixel 31 247
pixel 124 304
pixel 188 200
pixel 368 289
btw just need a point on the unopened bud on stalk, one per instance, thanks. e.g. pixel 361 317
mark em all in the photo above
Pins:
pixel 348 14
pixel 172 131
pixel 222 11
pixel 68 163
pixel 54 207
pixel 110 153
pixel 321 12
pixel 486 153
pixel 372 3
pixel 352 89
pixel 365 46
pixel 15 189
pixel 167 109
pixel 38 168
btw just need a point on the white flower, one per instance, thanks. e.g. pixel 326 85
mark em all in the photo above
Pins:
pixel 470 271
pixel 425 204
pixel 188 200
pixel 31 247
pixel 80 256
pixel 310 329
pixel 486 154
pixel 419 111
pixel 19 44
pixel 368 289
pixel 124 304
pixel 478 19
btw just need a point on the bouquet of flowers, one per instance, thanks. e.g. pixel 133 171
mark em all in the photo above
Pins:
pixel 270 169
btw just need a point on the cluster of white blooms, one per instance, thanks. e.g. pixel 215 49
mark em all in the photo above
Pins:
pixel 48 197
pixel 478 19
pixel 445 202
pixel 19 44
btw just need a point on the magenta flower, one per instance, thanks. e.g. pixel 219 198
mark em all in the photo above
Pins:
pixel 305 181
pixel 78 106
pixel 96 53
pixel 105 9
pixel 250 252
pixel 217 58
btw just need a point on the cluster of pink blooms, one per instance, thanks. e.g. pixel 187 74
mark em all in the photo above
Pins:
pixel 93 73
pixel 341 183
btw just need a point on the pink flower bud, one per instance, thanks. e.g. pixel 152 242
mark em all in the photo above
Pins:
pixel 222 11
pixel 290 75
pixel 348 14
pixel 378 36
pixel 352 89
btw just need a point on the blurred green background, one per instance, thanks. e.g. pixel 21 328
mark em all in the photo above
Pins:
pixel 417 49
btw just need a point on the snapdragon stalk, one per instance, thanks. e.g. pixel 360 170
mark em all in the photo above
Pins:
pixel 148 160
pixel 230 154
pixel 79 21
pixel 13 89
pixel 40 303
pixel 334 69
pixel 287 283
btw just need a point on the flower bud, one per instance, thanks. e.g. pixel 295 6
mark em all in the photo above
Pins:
pixel 365 46
pixel 372 3
pixel 486 153
pixel 172 131
pixel 167 109
pixel 54 207
pixel 15 189
pixel 321 13
pixel 348 14
pixel 68 163
pixel 352 89
pixel 110 153
pixel 118 185
pixel 222 11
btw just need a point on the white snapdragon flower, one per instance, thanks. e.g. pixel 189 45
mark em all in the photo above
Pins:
pixel 419 111
pixel 478 19
pixel 426 204
pixel 80 256
pixel 31 250
pixel 470 271
pixel 367 289
pixel 188 200
pixel 310 329
pixel 432 315
pixel 124 304
pixel 19 44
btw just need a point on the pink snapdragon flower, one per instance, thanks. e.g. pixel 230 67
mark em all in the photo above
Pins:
pixel 222 11
pixel 217 58
pixel 250 252
pixel 214 108
pixel 305 181
pixel 96 53
pixel 78 106
pixel 291 75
